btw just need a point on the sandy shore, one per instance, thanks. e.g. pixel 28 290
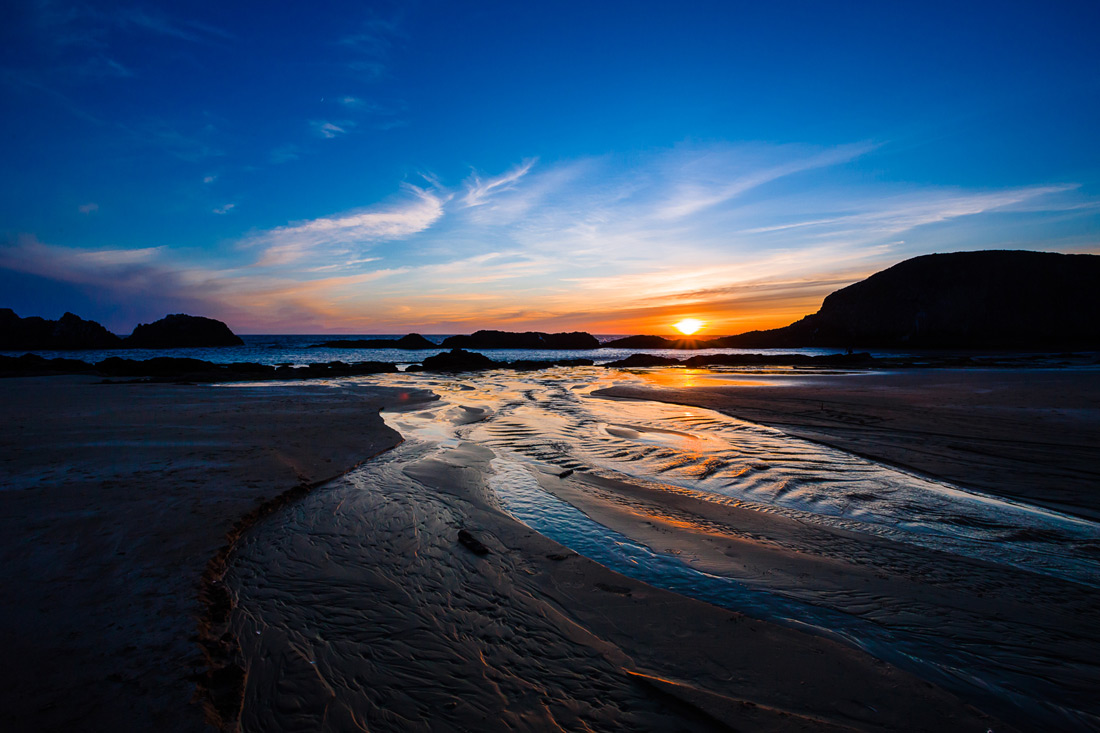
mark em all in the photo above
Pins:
pixel 114 499
pixel 361 609
pixel 1025 433
pixel 402 597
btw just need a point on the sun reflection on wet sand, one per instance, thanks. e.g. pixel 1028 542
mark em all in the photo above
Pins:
pixel 686 378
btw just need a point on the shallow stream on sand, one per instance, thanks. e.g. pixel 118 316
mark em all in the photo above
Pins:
pixel 989 598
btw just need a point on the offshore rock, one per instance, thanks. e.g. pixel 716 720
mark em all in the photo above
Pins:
pixel 179 331
pixel 410 342
pixel 575 340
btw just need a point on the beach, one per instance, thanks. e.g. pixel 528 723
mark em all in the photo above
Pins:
pixel 438 586
pixel 1024 433
pixel 115 499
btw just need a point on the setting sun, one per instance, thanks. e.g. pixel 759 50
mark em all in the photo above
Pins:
pixel 688 326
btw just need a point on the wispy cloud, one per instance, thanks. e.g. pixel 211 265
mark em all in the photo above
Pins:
pixel 181 29
pixel 329 130
pixel 104 67
pixel 588 243
pixel 369 46
pixel 348 233
pixel 225 208
pixel 709 178
pixel 478 190
pixel 89 208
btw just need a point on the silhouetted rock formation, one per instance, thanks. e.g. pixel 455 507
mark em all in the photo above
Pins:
pixel 180 331
pixel 654 342
pixel 990 299
pixel 410 342
pixel 644 360
pixel 533 365
pixel 167 368
pixel 577 340
pixel 651 360
pixel 456 360
pixel 460 360
pixel 67 333
pixel 846 360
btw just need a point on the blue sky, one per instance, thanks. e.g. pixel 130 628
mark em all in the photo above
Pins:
pixel 612 167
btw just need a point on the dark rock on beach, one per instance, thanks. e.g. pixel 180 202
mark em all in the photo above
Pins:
pixel 29 365
pixel 176 369
pixel 849 360
pixel 644 360
pixel 161 366
pixel 576 340
pixel 179 331
pixel 472 543
pixel 460 360
pixel 531 365
pixel 457 360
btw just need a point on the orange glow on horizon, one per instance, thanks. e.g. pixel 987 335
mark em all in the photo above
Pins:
pixel 688 326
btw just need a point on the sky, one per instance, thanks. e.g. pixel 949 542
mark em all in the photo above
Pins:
pixel 610 167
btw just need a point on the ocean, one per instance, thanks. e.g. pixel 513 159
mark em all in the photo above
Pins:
pixel 297 350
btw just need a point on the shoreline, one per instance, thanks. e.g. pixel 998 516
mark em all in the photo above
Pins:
pixel 125 445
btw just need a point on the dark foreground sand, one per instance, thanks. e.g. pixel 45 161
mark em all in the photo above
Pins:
pixel 114 498
pixel 361 609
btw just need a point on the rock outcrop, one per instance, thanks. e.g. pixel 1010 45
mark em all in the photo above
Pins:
pixel 575 340
pixel 68 333
pixel 409 342
pixel 180 331
pixel 655 342
pixel 460 360
pixel 178 369
pixel 456 360
pixel 962 300
pixel 644 360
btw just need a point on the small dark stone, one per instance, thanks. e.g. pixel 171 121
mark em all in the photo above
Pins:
pixel 621 590
pixel 644 360
pixel 471 543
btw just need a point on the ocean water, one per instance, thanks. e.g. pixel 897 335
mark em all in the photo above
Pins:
pixel 298 350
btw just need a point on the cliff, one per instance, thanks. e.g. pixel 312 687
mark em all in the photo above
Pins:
pixel 968 300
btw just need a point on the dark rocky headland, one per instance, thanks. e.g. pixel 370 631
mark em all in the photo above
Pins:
pixel 962 300
pixel 72 333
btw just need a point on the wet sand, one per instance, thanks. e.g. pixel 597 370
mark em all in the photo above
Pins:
pixel 1031 434
pixel 364 606
pixel 114 499
pixel 361 609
